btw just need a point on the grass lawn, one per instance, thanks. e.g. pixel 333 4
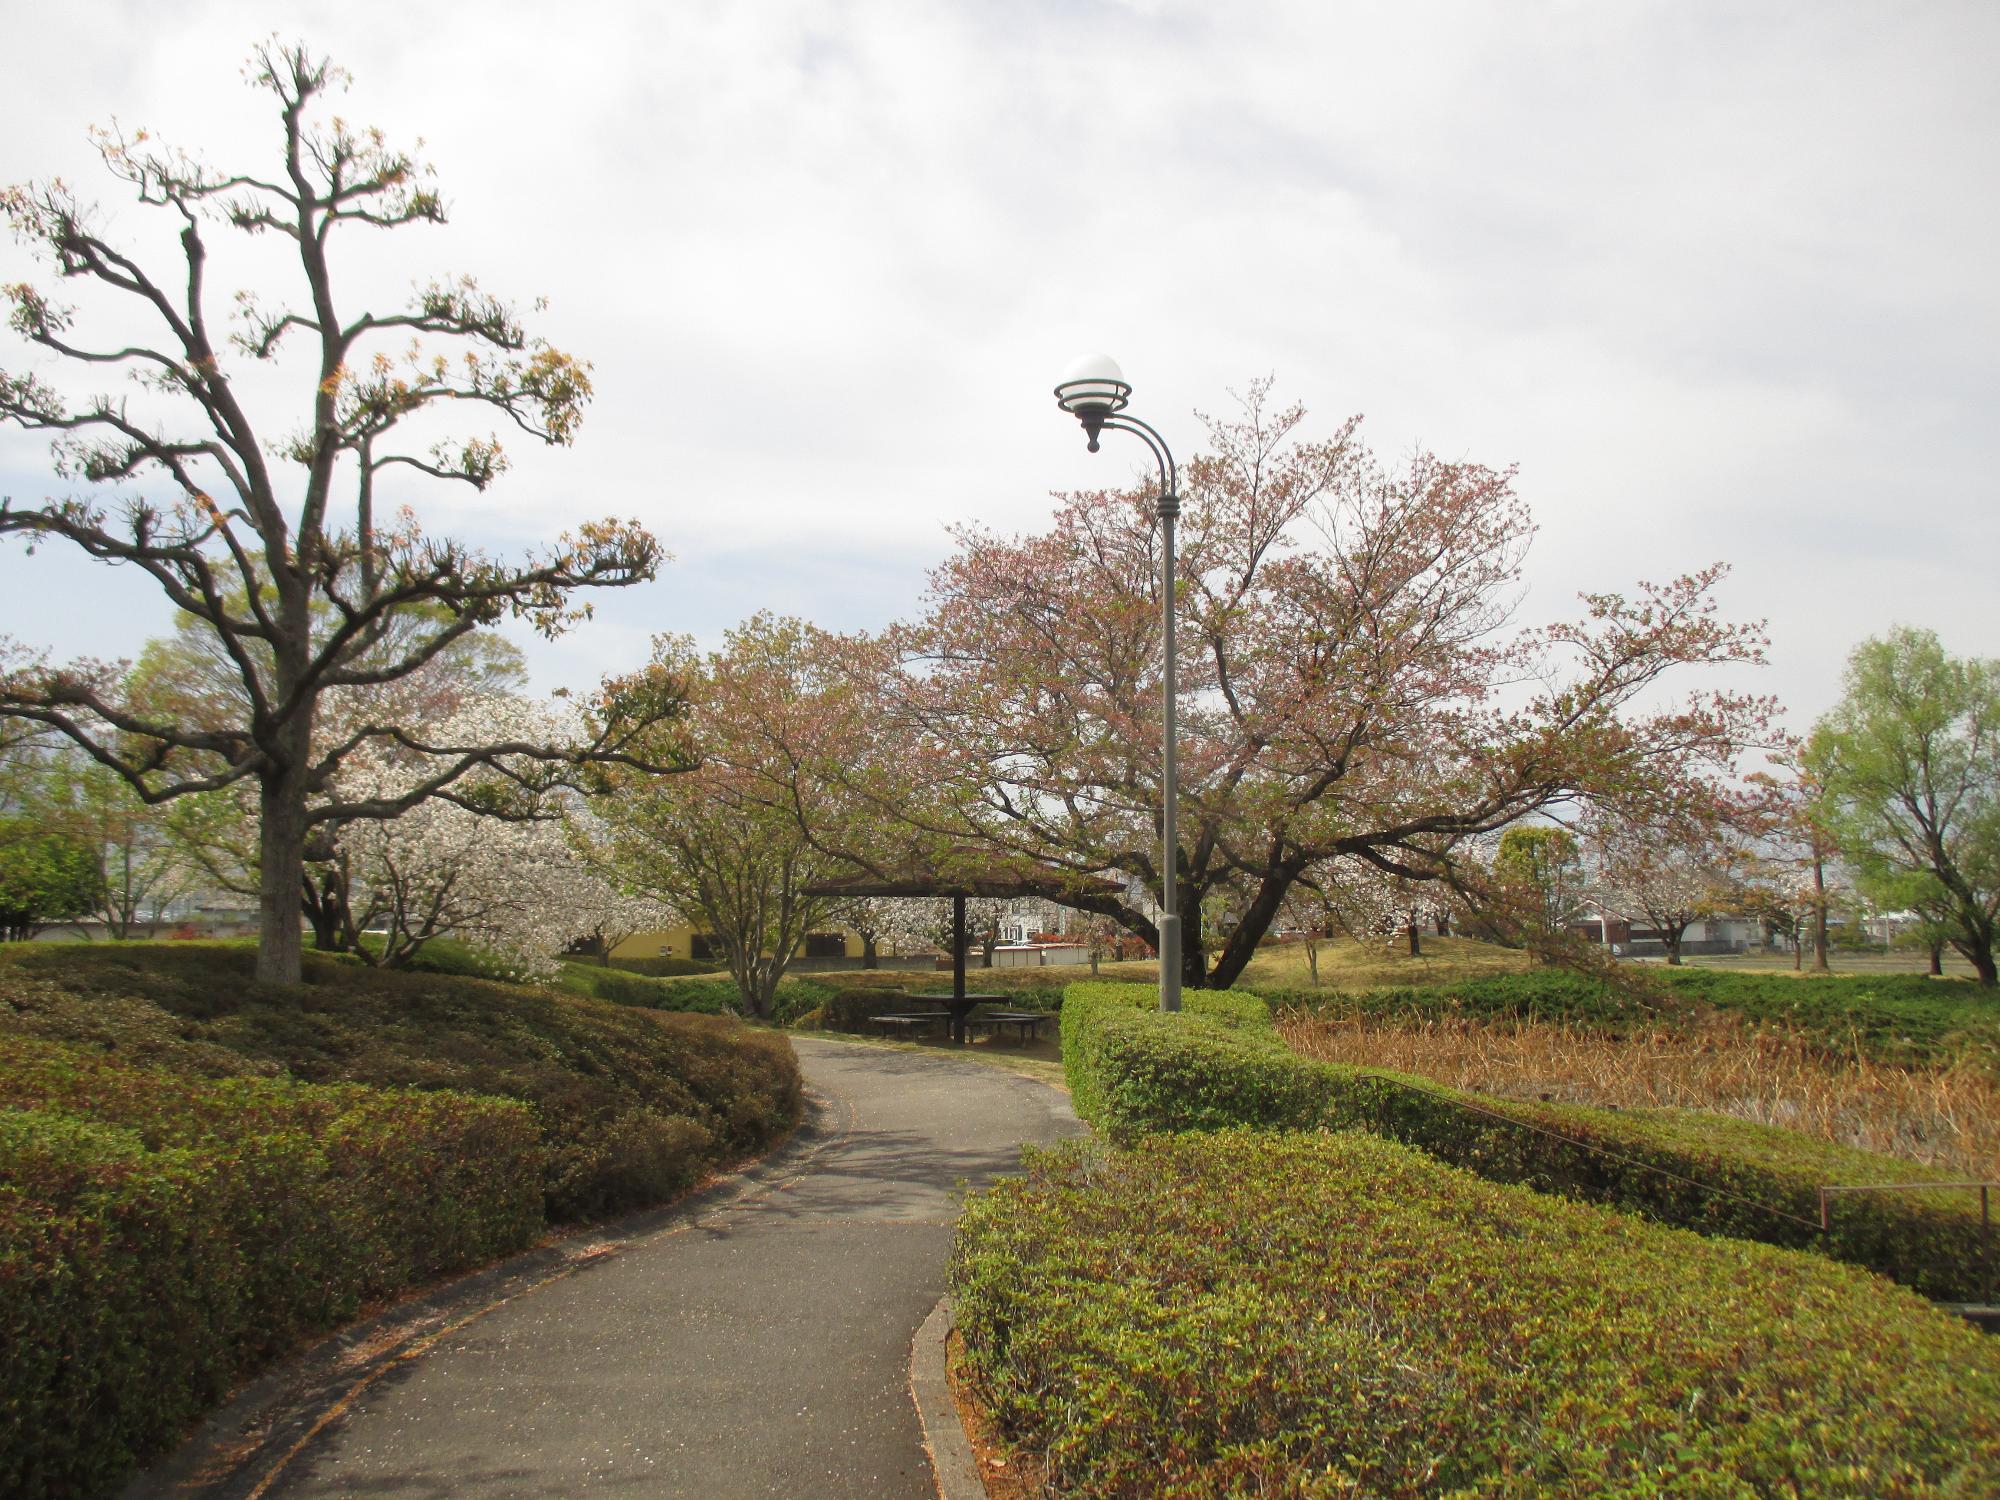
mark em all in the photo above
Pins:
pixel 1897 962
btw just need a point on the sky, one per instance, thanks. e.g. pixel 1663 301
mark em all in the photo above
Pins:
pixel 1717 277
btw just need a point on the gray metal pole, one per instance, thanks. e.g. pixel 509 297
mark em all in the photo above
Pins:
pixel 1170 913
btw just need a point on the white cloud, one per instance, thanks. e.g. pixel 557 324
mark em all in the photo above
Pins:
pixel 1714 275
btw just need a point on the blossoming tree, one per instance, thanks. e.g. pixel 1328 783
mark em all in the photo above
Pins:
pixel 1351 685
pixel 284 535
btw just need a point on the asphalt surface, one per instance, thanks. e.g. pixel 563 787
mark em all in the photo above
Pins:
pixel 760 1349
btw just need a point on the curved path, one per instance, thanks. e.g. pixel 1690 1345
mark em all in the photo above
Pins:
pixel 759 1346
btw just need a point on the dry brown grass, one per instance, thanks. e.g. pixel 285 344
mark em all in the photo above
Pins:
pixel 1948 1117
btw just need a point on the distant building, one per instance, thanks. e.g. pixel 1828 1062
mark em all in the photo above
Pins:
pixel 1635 938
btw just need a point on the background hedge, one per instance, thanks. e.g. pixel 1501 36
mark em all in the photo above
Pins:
pixel 1330 1314
pixel 633 1106
pixel 1899 1018
pixel 162 1234
pixel 1134 1071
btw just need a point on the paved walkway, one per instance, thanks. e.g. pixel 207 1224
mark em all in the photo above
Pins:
pixel 760 1349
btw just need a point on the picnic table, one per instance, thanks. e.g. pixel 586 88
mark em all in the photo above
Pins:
pixel 956 1013
pixel 907 1021
pixel 958 1007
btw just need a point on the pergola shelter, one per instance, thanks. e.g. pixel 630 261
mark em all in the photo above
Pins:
pixel 1036 881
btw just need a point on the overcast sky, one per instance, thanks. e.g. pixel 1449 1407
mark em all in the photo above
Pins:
pixel 1719 278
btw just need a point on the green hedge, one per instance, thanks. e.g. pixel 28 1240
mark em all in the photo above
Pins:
pixel 160 1235
pixel 1245 1313
pixel 664 966
pixel 1133 1071
pixel 1110 1082
pixel 633 1105
pixel 697 994
pixel 1902 1018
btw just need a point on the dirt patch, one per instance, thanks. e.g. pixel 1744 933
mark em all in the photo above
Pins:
pixel 1008 1472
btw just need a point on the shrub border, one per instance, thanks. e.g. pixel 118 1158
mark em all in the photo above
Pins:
pixel 1220 1063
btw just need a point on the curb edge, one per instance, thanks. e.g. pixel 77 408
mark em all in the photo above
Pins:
pixel 953 1468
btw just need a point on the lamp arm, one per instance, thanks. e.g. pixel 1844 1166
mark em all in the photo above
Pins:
pixel 1162 455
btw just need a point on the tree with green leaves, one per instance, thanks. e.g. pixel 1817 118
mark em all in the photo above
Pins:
pixel 140 868
pixel 45 876
pixel 1539 876
pixel 286 535
pixel 1910 762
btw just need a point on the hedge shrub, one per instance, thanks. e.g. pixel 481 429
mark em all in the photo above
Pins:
pixel 698 994
pixel 633 1105
pixel 1134 1071
pixel 848 1007
pixel 1901 1018
pixel 665 966
pixel 1244 1313
pixel 161 1234
pixel 1110 1082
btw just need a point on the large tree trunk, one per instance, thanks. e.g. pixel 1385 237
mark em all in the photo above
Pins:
pixel 1674 937
pixel 1937 960
pixel 281 843
pixel 1194 953
pixel 1981 954
pixel 1416 943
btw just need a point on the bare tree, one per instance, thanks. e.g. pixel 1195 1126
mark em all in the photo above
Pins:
pixel 281 543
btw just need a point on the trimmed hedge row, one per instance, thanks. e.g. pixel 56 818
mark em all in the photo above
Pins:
pixel 1133 1071
pixel 1902 1018
pixel 1329 1314
pixel 848 1007
pixel 633 1105
pixel 664 966
pixel 1111 1083
pixel 161 1234
pixel 698 994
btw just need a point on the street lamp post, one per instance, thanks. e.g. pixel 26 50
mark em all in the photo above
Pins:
pixel 1094 391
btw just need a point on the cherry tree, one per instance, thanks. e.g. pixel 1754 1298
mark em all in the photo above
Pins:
pixel 1672 873
pixel 1352 685
pixel 185 676
pixel 909 924
pixel 285 535
pixel 1099 934
pixel 498 865
pixel 728 842
pixel 928 920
